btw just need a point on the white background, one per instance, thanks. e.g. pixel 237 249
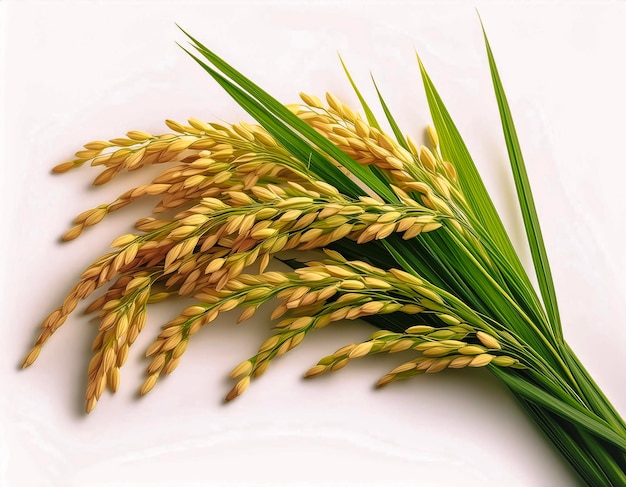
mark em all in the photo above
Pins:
pixel 74 72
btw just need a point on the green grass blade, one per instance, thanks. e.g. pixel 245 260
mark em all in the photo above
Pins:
pixel 487 222
pixel 371 118
pixel 392 122
pixel 526 200
pixel 292 143
pixel 453 148
pixel 581 417
pixel 571 448
pixel 590 389
pixel 272 108
pixel 369 115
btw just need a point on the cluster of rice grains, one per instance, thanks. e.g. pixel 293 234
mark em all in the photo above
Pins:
pixel 232 199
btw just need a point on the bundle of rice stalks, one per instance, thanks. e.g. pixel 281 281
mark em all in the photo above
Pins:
pixel 406 236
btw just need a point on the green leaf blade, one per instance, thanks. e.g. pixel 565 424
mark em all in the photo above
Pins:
pixel 276 110
pixel 392 121
pixel 526 200
pixel 369 114
pixel 453 148
pixel 480 208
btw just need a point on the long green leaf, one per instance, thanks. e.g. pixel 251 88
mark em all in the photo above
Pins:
pixel 596 397
pixel 392 121
pixel 582 418
pixel 284 135
pixel 276 109
pixel 371 118
pixel 526 200
pixel 453 148
pixel 486 219
pixel 570 447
